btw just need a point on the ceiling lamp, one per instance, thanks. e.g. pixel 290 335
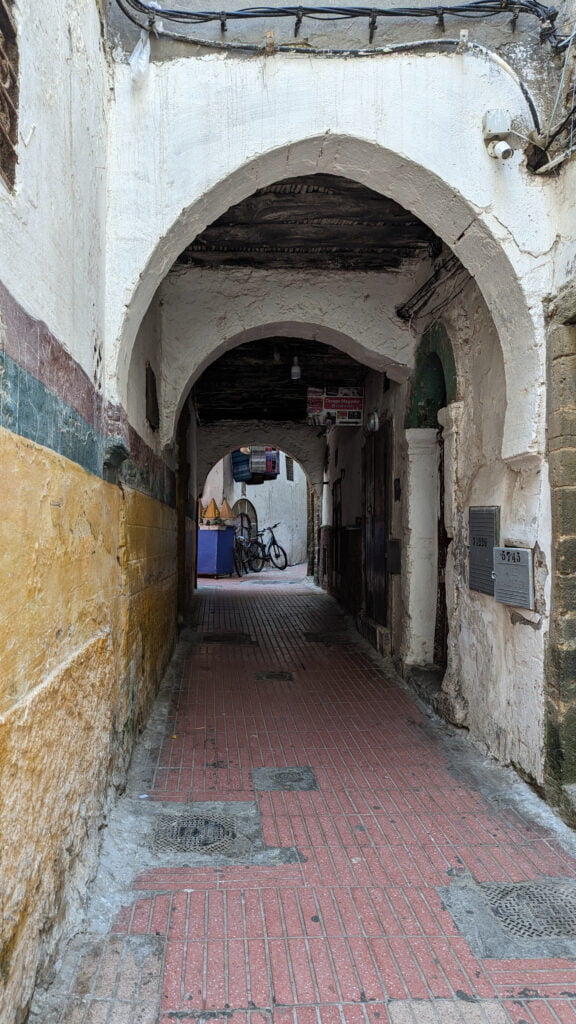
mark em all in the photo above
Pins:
pixel 295 369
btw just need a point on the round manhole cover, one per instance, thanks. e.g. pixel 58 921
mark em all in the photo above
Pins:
pixel 196 833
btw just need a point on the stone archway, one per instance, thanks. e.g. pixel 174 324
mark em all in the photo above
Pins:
pixel 212 330
pixel 217 440
pixel 491 261
pixel 285 499
pixel 516 437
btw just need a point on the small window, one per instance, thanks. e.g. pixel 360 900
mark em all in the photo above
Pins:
pixel 152 409
pixel 289 468
pixel 8 92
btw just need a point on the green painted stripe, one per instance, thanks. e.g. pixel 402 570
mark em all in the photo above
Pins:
pixel 29 408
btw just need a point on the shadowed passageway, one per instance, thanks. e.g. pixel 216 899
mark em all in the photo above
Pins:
pixel 318 893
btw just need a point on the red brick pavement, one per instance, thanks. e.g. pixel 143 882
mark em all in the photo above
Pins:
pixel 359 923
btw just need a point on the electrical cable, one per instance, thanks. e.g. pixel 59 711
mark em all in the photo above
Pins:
pixel 135 10
pixel 560 127
pixel 445 302
pixel 474 9
pixel 560 89
pixel 305 50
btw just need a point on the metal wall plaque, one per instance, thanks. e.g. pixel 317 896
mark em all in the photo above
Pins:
pixel 484 534
pixel 514 577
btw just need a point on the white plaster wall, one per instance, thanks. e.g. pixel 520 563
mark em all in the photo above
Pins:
pixel 495 673
pixel 280 500
pixel 218 485
pixel 299 440
pixel 204 313
pixel 565 254
pixel 52 223
pixel 204 132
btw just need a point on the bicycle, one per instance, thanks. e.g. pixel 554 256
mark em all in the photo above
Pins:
pixel 272 551
pixel 247 555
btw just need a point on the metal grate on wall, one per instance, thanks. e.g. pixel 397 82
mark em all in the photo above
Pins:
pixel 484 536
pixel 8 92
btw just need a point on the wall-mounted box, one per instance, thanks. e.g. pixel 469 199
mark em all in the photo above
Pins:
pixel 484 535
pixel 514 577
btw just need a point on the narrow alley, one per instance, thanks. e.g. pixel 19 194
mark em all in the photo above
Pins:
pixel 300 842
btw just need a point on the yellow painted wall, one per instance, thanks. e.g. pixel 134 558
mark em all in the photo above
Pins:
pixel 87 621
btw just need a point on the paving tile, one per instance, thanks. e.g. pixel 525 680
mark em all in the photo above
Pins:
pixel 354 933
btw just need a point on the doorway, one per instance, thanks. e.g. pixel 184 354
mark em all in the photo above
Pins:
pixel 376 519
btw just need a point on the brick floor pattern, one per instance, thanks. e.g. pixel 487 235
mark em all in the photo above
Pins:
pixel 356 931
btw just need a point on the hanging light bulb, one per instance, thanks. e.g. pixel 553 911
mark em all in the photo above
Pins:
pixel 295 370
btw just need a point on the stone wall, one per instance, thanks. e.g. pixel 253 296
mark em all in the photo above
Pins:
pixel 88 613
pixel 560 777
pixel 88 620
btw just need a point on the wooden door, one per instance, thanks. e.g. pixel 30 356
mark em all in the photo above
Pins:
pixel 376 523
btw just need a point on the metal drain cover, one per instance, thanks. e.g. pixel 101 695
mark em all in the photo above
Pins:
pixel 196 636
pixel 273 677
pixel 287 779
pixel 517 919
pixel 534 910
pixel 227 638
pixel 329 639
pixel 199 833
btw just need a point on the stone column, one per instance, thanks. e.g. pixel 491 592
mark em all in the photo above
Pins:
pixel 421 575
pixel 450 420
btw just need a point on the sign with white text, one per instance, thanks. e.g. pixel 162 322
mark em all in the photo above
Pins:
pixel 340 407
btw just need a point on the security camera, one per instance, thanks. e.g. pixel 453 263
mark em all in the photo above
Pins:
pixel 500 149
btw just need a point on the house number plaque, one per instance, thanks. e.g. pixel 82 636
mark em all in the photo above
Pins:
pixel 514 577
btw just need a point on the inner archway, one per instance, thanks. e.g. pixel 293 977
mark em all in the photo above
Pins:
pixel 257 492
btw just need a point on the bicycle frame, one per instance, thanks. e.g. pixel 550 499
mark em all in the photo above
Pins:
pixel 272 551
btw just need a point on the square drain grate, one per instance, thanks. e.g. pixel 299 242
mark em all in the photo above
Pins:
pixel 273 677
pixel 209 833
pixel 329 639
pixel 515 920
pixel 287 779
pixel 534 910
pixel 217 637
pixel 227 638
pixel 198 833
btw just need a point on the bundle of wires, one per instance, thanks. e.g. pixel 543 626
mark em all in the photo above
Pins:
pixel 552 147
pixel 476 9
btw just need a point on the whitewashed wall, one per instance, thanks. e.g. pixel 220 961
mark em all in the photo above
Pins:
pixel 200 314
pixel 52 224
pixel 204 132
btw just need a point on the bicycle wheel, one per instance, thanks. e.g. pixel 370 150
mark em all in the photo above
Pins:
pixel 278 556
pixel 256 555
pixel 238 562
